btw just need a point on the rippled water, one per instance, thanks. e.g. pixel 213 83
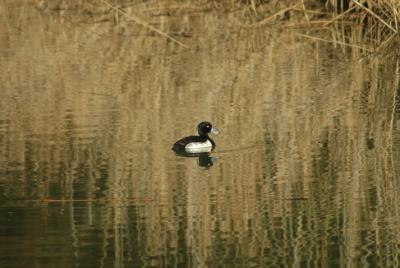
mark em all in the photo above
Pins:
pixel 304 172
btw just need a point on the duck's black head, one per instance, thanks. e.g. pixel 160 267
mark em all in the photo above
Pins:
pixel 205 127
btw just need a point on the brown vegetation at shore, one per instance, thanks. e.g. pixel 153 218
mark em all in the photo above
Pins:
pixel 372 22
pixel 367 25
pixel 362 25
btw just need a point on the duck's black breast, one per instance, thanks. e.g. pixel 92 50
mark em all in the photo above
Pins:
pixel 181 144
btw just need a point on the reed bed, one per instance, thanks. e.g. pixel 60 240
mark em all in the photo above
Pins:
pixel 375 23
pixel 359 25
pixel 363 25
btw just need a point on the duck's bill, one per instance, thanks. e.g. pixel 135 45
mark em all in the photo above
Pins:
pixel 214 131
pixel 214 159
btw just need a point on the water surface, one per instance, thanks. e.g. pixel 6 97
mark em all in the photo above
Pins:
pixel 89 111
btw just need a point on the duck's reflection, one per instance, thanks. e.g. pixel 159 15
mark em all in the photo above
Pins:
pixel 204 159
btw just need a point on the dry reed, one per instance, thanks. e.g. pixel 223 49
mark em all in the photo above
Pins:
pixel 371 25
pixel 362 25
pixel 365 25
pixel 374 22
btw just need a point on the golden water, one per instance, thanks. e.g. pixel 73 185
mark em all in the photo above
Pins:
pixel 89 111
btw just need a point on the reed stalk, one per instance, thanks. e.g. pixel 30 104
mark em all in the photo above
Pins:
pixel 372 23
pixel 365 25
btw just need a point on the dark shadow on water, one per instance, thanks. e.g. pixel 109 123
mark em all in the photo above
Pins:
pixel 204 159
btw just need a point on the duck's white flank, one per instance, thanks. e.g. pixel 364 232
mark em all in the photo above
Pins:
pixel 198 150
pixel 198 145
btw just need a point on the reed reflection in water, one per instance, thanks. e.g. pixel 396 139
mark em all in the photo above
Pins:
pixel 306 170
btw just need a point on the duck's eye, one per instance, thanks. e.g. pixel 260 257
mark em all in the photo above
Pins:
pixel 208 126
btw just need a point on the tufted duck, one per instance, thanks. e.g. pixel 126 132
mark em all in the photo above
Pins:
pixel 197 144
